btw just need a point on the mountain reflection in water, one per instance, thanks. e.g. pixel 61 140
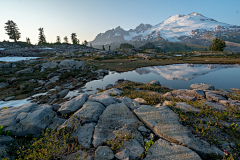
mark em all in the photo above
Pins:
pixel 183 71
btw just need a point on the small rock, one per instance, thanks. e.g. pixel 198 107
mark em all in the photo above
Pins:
pixel 142 129
pixel 123 155
pixel 151 136
pixel 109 86
pixel 103 153
pixel 9 98
pixel 155 82
pixel 140 100
pixel 202 86
pixel 55 107
pixel 63 93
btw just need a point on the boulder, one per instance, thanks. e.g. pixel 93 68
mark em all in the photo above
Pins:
pixel 55 107
pixel 52 80
pixel 6 140
pixel 155 82
pixel 56 122
pixel 63 93
pixel 50 65
pixel 73 105
pixel 28 70
pixel 113 91
pixel 67 64
pixel 9 98
pixel 79 65
pixel 202 86
pixel 123 155
pixel 185 94
pixel 165 123
pixel 216 105
pixel 102 98
pixel 231 103
pixel 131 104
pixel 162 149
pixel 2 85
pixel 84 134
pixel 214 97
pixel 134 148
pixel 26 119
pixel 103 153
pixel 109 86
pixel 140 100
pixel 116 118
pixel 89 112
pixel 186 107
pixel 221 93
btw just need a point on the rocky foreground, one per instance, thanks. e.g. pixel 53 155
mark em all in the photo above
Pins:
pixel 200 123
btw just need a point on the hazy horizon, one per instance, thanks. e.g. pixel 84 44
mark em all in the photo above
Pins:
pixel 89 18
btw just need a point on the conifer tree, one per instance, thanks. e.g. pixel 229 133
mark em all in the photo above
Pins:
pixel 65 39
pixel 103 48
pixel 85 43
pixel 91 45
pixel 28 40
pixel 58 39
pixel 12 30
pixel 41 38
pixel 74 38
pixel 217 45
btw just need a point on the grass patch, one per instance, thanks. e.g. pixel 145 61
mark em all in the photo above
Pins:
pixel 210 124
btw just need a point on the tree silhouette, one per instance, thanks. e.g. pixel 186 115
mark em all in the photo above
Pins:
pixel 58 39
pixel 85 43
pixel 41 38
pixel 217 45
pixel 74 38
pixel 12 30
pixel 28 40
pixel 65 39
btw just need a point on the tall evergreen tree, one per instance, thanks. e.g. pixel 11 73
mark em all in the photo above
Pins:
pixel 91 45
pixel 58 39
pixel 103 47
pixel 12 30
pixel 217 45
pixel 85 43
pixel 65 39
pixel 41 38
pixel 28 40
pixel 74 38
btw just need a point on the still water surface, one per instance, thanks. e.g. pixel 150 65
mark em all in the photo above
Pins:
pixel 177 76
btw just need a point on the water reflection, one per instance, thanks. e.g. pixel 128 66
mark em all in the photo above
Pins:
pixel 177 76
pixel 183 71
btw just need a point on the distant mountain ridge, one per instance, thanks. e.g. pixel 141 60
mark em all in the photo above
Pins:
pixel 193 28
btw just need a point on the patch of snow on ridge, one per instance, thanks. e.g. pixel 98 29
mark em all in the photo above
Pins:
pixel 117 34
pixel 186 71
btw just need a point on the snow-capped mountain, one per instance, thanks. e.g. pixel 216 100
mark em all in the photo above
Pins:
pixel 176 28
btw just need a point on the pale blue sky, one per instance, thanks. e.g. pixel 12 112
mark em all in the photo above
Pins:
pixel 87 18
